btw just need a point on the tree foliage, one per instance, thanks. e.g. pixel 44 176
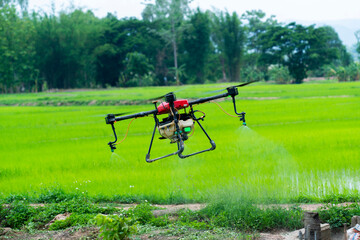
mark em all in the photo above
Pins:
pixel 196 41
pixel 300 48
pixel 172 13
pixel 170 45
pixel 17 50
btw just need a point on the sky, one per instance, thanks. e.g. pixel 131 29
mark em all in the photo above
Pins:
pixel 284 10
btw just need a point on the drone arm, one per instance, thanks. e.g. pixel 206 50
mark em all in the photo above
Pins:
pixel 231 91
pixel 242 114
pixel 136 115
pixel 112 144
pixel 208 99
pixel 111 118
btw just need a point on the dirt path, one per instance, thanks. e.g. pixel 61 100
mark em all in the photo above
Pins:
pixel 198 206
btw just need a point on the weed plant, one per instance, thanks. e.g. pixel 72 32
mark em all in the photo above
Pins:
pixel 73 220
pixel 238 212
pixel 16 214
pixel 115 226
pixel 233 212
pixel 20 213
pixel 337 215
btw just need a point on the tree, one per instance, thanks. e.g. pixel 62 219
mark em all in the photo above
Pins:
pixel 299 48
pixel 230 39
pixel 137 66
pixel 22 3
pixel 16 50
pixel 172 13
pixel 65 46
pixel 255 25
pixel 357 35
pixel 196 41
pixel 121 37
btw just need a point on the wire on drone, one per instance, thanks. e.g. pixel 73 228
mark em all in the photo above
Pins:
pixel 223 109
pixel 127 131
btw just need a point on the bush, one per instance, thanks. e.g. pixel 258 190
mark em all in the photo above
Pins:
pixel 115 226
pixel 17 214
pixel 280 74
pixel 251 74
pixel 142 213
pixel 341 74
pixel 353 71
pixel 336 216
pixel 52 195
pixel 160 221
pixel 82 205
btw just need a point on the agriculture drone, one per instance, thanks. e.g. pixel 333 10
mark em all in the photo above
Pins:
pixel 176 126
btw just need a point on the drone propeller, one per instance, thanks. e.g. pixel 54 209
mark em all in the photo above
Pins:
pixel 160 97
pixel 244 84
pixel 117 114
pixel 121 114
pixel 240 85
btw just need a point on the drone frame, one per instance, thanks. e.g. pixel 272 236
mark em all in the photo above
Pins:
pixel 170 98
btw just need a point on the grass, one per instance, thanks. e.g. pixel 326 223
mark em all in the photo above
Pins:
pixel 302 144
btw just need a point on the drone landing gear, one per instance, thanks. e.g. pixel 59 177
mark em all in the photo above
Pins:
pixel 180 135
pixel 180 145
pixel 213 145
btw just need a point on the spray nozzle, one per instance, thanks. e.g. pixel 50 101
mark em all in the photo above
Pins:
pixel 112 146
pixel 242 118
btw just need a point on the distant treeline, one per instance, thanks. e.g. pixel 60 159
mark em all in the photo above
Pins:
pixel 171 44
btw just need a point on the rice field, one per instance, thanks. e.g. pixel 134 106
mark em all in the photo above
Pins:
pixel 302 141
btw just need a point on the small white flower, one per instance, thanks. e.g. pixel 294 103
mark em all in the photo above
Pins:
pixel 131 186
pixel 77 188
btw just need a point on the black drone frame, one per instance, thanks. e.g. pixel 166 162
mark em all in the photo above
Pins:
pixel 171 98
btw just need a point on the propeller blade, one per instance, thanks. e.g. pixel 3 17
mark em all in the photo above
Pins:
pixel 160 97
pixel 216 91
pixel 121 114
pixel 180 89
pixel 117 114
pixel 244 84
pixel 240 85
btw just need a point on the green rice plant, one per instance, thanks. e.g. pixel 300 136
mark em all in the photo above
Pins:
pixel 301 144
pixel 141 95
